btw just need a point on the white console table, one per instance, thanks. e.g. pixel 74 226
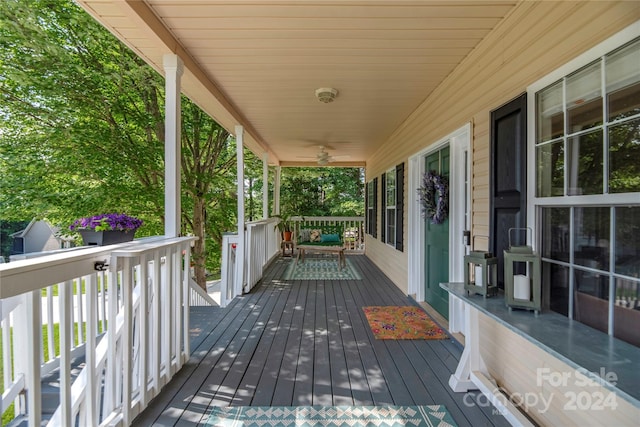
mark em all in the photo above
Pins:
pixel 507 350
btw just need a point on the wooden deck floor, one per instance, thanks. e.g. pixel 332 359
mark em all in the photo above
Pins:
pixel 297 343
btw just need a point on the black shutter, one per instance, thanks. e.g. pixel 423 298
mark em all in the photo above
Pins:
pixel 400 207
pixel 383 209
pixel 374 231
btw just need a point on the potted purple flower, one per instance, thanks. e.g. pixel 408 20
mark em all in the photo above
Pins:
pixel 106 229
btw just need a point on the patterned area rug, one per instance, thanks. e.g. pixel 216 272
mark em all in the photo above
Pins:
pixel 321 269
pixel 402 323
pixel 331 416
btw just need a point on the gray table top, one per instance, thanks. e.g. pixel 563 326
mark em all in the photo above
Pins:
pixel 575 343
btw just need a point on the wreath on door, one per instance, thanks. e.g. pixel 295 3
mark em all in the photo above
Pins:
pixel 434 197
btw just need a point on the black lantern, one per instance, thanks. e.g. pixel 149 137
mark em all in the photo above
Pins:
pixel 483 267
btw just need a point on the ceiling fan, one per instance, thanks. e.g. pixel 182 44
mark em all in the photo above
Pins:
pixel 323 157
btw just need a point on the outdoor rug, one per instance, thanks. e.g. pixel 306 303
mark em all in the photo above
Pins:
pixel 402 323
pixel 321 269
pixel 331 416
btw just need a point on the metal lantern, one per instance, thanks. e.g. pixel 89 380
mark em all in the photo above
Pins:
pixel 522 290
pixel 483 266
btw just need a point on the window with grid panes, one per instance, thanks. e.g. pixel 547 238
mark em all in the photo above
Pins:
pixel 587 187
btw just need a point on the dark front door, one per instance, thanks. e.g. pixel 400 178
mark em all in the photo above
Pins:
pixel 508 197
pixel 437 245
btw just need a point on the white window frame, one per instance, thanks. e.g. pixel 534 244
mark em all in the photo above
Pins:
pixel 586 58
pixel 390 206
pixel 536 204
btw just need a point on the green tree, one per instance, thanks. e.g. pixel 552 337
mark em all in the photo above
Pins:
pixel 322 191
pixel 83 130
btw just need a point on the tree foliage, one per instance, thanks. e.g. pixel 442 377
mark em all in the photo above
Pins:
pixel 83 130
pixel 322 191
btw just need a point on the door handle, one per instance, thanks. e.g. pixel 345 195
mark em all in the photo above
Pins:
pixel 466 237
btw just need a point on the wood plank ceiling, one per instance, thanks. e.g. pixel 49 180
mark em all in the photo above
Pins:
pixel 258 63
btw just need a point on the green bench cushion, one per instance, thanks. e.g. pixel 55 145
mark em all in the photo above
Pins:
pixel 325 230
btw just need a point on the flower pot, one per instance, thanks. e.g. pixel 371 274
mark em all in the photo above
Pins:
pixel 286 236
pixel 104 238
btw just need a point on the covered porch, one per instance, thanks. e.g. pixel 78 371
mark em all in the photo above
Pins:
pixel 412 80
pixel 307 342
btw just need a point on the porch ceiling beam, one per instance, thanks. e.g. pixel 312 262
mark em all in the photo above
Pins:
pixel 332 164
pixel 144 18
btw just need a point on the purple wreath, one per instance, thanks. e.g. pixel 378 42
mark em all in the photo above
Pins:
pixel 434 197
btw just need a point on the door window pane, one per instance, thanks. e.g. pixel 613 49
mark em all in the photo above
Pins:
pixel 585 163
pixel 591 237
pixel 627 252
pixel 584 99
pixel 624 157
pixel 550 115
pixel 550 169
pixel 555 233
pixel 623 81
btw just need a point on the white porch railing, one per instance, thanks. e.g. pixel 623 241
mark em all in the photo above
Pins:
pixel 129 323
pixel 229 286
pixel 262 245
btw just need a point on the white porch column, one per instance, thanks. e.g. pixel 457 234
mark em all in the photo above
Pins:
pixel 265 185
pixel 173 69
pixel 239 284
pixel 276 191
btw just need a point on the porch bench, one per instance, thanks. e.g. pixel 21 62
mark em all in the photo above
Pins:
pixel 328 235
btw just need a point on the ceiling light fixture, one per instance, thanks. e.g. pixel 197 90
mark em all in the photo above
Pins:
pixel 326 94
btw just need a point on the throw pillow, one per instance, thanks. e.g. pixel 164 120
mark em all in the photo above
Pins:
pixel 305 235
pixel 315 236
pixel 330 238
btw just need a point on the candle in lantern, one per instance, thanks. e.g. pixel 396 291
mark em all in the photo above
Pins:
pixel 521 287
pixel 478 275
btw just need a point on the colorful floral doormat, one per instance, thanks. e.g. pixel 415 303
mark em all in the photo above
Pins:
pixel 331 416
pixel 402 323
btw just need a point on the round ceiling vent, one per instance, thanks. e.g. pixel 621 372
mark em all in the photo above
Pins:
pixel 326 94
